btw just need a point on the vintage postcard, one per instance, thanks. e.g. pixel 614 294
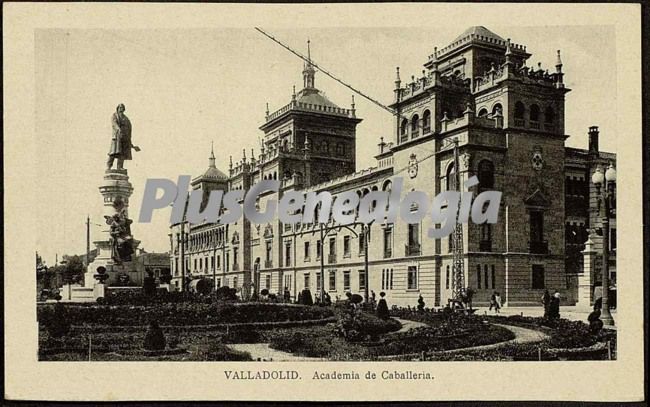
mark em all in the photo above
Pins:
pixel 323 202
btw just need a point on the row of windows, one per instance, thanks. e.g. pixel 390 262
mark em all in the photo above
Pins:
pixel 415 125
pixel 332 280
pixel 485 175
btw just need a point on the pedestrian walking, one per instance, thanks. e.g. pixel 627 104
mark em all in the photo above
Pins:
pixel 497 302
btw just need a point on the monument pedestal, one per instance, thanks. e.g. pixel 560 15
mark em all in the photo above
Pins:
pixel 116 191
pixel 585 284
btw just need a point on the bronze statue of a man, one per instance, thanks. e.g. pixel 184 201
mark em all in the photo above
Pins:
pixel 121 142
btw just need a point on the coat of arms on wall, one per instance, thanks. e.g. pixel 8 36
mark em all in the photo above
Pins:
pixel 413 166
pixel 537 159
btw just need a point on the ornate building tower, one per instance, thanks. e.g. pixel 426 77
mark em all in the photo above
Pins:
pixel 508 120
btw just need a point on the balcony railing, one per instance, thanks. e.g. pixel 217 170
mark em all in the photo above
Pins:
pixel 331 258
pixel 540 247
pixel 519 122
pixel 412 249
pixel 485 245
pixel 268 264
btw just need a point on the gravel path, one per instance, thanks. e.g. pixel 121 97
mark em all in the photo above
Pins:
pixel 263 352
pixel 522 335
pixel 407 325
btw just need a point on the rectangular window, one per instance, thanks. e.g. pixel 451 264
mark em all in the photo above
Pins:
pixel 414 239
pixel 388 243
pixel 218 262
pixel 307 251
pixel 447 279
pixel 269 250
pixel 346 246
pixel 176 271
pixel 318 282
pixel 362 244
pixel 195 264
pixel 478 276
pixel 538 276
pixel 536 226
pixel 201 264
pixel 346 280
pixel 390 287
pixel 333 280
pixel 319 249
pixel 494 277
pixel 234 282
pixel 212 263
pixel 287 254
pixel 226 261
pixel 332 246
pixel 268 282
pixel 612 239
pixel 485 273
pixel 306 281
pixel 383 279
pixel 235 252
pixel 412 278
pixel 362 280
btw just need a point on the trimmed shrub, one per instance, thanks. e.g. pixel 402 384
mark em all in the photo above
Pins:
pixel 57 323
pixel 154 339
pixel 356 325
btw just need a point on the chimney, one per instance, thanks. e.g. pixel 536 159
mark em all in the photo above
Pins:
pixel 593 139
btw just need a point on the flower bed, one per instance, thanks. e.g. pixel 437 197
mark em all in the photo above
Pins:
pixel 184 314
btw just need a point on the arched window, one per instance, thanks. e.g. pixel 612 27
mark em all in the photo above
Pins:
pixel 497 109
pixel 451 178
pixel 415 126
pixel 534 113
pixel 388 184
pixel 403 127
pixel 519 110
pixel 549 115
pixel 483 112
pixel 426 122
pixel 486 174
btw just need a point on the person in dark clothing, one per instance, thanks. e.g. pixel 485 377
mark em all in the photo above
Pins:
pixel 382 307
pixel 595 323
pixel 554 307
pixel 546 301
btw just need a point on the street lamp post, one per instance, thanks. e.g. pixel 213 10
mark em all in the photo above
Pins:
pixel 605 191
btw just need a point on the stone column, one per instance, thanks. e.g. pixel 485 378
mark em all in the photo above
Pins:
pixel 585 286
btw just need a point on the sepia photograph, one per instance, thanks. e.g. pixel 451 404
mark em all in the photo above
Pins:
pixel 264 192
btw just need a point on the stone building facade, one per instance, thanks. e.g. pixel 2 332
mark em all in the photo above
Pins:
pixel 508 121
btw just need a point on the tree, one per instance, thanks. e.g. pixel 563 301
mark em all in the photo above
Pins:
pixel 73 270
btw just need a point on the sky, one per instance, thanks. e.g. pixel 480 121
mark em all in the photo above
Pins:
pixel 186 88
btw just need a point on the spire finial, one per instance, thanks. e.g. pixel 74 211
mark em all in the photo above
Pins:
pixel 211 159
pixel 308 50
pixel 293 95
pixel 558 62
pixel 230 165
pixel 267 109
